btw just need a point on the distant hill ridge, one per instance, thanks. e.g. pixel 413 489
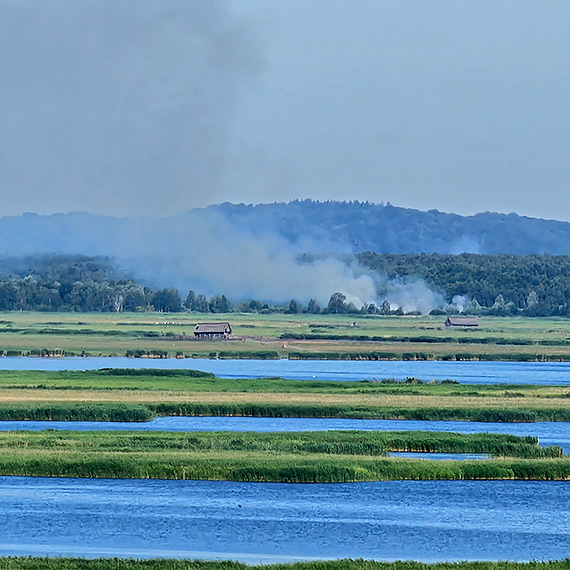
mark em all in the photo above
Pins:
pixel 336 226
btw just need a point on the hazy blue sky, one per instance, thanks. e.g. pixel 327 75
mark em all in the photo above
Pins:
pixel 154 107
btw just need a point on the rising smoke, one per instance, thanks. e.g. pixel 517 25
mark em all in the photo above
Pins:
pixel 125 107
pixel 119 107
pixel 218 257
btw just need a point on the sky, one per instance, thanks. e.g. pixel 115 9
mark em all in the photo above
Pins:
pixel 150 108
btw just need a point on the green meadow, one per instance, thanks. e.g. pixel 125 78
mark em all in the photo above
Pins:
pixel 160 335
pixel 140 395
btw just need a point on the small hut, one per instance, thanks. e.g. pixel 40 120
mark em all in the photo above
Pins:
pixel 462 322
pixel 213 330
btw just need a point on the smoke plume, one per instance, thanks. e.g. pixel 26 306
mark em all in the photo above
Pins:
pixel 118 107
pixel 219 257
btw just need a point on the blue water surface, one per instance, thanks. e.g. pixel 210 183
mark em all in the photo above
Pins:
pixel 268 522
pixel 540 373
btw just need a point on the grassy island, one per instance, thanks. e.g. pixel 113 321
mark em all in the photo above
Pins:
pixel 302 457
pixel 140 395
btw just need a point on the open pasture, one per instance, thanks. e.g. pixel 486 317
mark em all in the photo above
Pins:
pixel 283 336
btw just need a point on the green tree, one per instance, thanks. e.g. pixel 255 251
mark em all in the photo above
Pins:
pixel 313 307
pixel 190 302
pixel 167 301
pixel 219 304
pixel 201 305
pixel 337 303
pixel 293 308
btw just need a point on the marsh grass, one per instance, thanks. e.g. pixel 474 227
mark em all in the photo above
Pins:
pixel 301 457
pixel 140 412
pixel 278 410
pixel 138 395
pixel 88 412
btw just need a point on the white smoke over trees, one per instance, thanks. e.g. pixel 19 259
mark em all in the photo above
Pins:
pixel 222 258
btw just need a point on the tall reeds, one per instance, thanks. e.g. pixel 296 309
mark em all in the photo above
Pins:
pixel 302 457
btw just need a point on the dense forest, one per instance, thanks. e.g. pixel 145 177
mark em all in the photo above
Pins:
pixel 533 285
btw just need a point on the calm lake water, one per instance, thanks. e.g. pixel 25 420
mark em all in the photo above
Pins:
pixel 549 433
pixel 546 373
pixel 267 522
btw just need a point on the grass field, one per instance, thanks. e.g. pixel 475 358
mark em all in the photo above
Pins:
pixel 304 457
pixel 138 395
pixel 283 336
pixel 32 563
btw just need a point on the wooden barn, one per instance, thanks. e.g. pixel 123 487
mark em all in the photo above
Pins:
pixel 213 330
pixel 462 322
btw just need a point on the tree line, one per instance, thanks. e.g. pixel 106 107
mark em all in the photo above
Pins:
pixel 530 285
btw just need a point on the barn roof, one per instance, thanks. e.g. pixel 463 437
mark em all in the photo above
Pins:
pixel 213 328
pixel 462 321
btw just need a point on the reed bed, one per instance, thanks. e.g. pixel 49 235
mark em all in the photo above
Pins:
pixel 302 457
pixel 278 410
pixel 72 411
pixel 139 395
pixel 367 443
pixel 38 563
pixel 139 412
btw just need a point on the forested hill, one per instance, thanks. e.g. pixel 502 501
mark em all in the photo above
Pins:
pixel 311 226
pixel 384 228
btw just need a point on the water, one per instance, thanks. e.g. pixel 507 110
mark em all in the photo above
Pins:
pixel 549 433
pixel 439 456
pixel 540 373
pixel 268 522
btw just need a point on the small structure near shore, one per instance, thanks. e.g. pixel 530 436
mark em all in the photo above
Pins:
pixel 213 330
pixel 462 322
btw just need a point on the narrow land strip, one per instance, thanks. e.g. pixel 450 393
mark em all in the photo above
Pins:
pixel 303 457
pixel 139 395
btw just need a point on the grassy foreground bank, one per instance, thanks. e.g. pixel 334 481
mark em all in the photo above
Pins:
pixel 34 563
pixel 140 395
pixel 303 457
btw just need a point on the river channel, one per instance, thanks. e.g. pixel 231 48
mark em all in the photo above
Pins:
pixel 540 373
pixel 548 433
pixel 267 522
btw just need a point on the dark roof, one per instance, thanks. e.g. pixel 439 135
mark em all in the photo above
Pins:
pixel 213 328
pixel 462 321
